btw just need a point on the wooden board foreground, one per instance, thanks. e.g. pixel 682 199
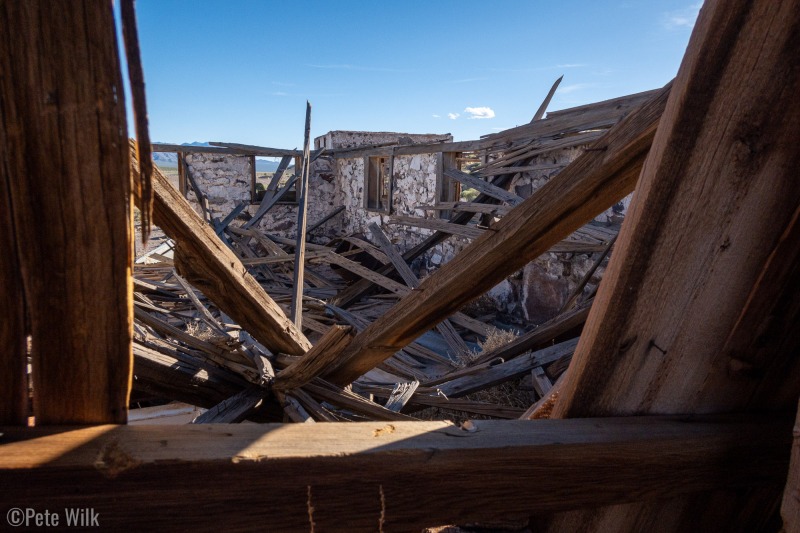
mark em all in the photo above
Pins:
pixel 410 475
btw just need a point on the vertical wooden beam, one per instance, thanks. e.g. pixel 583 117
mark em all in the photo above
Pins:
pixel 300 245
pixel 182 187
pixel 66 189
pixel 253 193
pixel 13 327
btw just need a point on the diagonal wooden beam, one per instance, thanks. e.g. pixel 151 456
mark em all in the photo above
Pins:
pixel 594 181
pixel 212 267
pixel 316 360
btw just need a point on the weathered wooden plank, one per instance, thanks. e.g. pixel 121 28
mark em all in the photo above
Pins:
pixel 541 383
pixel 353 402
pixel 400 395
pixel 261 151
pixel 483 186
pixel 268 204
pixel 445 328
pixel 325 218
pixel 223 148
pixel 296 309
pixel 233 409
pixel 437 224
pixel 214 269
pixel 720 184
pixel 496 374
pixel 589 185
pixel 532 168
pixel 13 330
pixel 468 207
pixel 63 171
pixel 543 107
pixel 316 360
pixel 566 323
pixel 607 112
pixel 351 477
pixel 130 36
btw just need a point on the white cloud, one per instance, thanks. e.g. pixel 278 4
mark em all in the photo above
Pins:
pixel 279 93
pixel 453 116
pixel 566 89
pixel 480 112
pixel 572 65
pixel 681 18
pixel 436 116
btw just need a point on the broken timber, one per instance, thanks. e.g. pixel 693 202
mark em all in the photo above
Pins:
pixel 586 187
pixel 214 269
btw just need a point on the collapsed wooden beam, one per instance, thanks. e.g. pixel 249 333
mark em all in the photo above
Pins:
pixel 373 475
pixel 594 181
pixel 315 362
pixel 213 268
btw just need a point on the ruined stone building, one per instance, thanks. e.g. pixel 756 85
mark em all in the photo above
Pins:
pixel 387 178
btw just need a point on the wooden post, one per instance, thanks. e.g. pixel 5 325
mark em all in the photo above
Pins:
pixel 65 246
pixel 300 247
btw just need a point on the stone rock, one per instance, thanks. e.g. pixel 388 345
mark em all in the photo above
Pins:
pixel 543 293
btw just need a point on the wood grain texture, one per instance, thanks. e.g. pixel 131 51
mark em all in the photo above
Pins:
pixel 355 471
pixel 67 190
pixel 204 260
pixel 590 184
pixel 316 360
pixel 454 341
pixel 697 312
pixel 715 199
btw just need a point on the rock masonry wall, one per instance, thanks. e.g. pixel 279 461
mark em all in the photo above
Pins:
pixel 223 179
pixel 533 295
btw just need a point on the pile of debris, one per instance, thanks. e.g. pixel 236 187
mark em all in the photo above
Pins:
pixel 211 305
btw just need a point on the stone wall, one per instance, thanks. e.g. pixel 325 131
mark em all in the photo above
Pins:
pixel 223 179
pixel 538 291
pixel 281 220
pixel 532 295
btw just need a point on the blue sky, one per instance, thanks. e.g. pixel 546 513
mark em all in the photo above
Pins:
pixel 241 71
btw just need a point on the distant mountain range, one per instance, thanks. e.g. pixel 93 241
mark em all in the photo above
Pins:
pixel 170 159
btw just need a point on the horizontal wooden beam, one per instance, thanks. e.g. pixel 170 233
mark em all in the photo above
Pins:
pixel 259 150
pixel 231 149
pixel 380 475
pixel 412 149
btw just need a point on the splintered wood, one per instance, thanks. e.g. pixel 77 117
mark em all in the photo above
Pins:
pixel 216 332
